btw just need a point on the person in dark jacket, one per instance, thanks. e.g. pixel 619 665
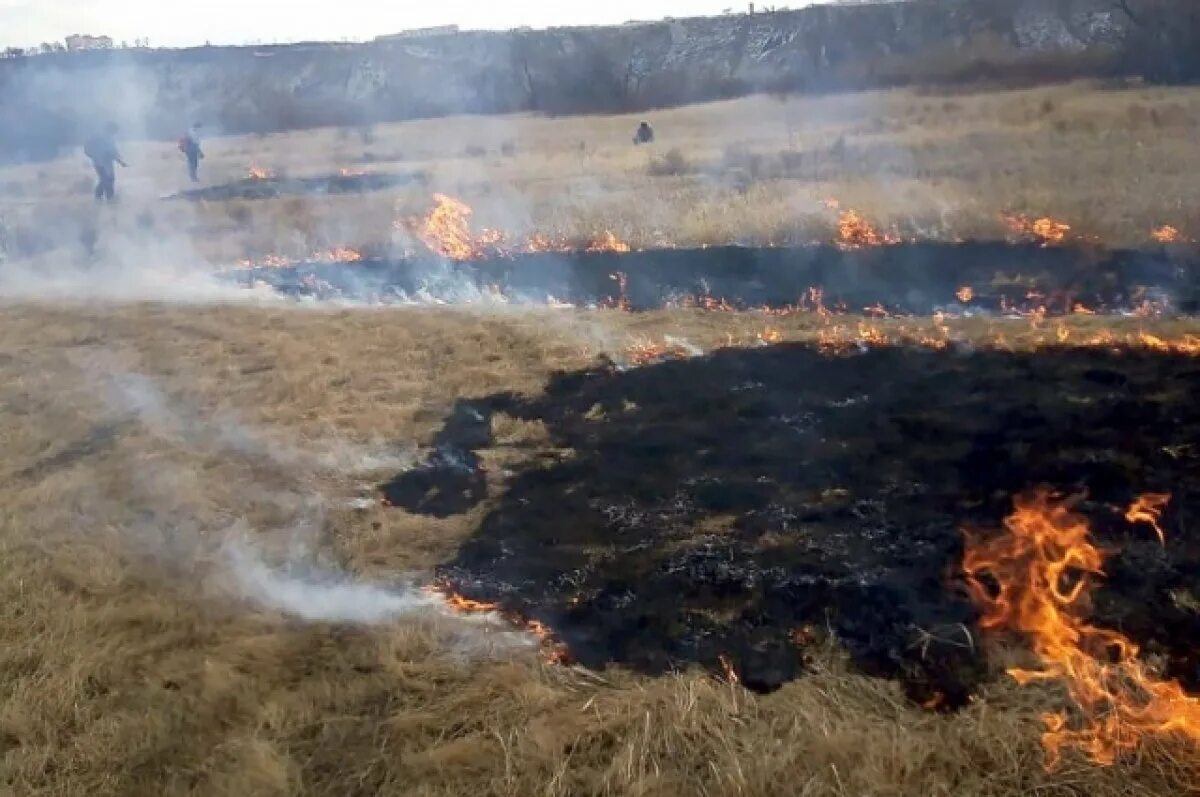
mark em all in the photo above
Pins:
pixel 644 134
pixel 102 151
pixel 189 145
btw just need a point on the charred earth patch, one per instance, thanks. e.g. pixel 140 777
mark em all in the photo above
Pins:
pixel 730 510
pixel 252 188
pixel 917 278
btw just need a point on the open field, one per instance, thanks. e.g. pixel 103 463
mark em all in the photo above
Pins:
pixel 249 546
pixel 139 441
pixel 1112 163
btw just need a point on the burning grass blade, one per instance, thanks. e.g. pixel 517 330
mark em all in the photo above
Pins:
pixel 1047 231
pixel 446 231
pixel 855 232
pixel 1036 580
pixel 609 242
pixel 731 675
pixel 1166 234
pixel 552 650
pixel 1148 509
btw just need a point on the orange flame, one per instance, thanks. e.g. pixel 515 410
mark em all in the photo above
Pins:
pixel 1046 230
pixel 1166 234
pixel 646 352
pixel 770 335
pixel 869 335
pixel 447 229
pixel 259 173
pixel 1043 569
pixel 1148 508
pixel 935 702
pixel 553 652
pixel 730 673
pixel 965 294
pixel 855 232
pixel 608 242
pixel 340 254
pixel 1187 344
pixel 538 242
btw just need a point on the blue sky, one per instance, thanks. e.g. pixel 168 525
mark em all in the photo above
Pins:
pixel 187 22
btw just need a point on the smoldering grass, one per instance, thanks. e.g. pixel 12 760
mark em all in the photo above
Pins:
pixel 317 595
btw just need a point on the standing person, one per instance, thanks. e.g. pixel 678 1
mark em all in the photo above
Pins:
pixel 189 145
pixel 102 151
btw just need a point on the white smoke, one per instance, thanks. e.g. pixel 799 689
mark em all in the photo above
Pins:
pixel 317 595
pixel 683 343
pixel 140 396
pixel 289 580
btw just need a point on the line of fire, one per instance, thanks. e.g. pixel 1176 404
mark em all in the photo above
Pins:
pixel 974 445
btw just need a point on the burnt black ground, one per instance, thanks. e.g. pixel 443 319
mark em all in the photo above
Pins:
pixel 271 187
pixel 916 278
pixel 715 506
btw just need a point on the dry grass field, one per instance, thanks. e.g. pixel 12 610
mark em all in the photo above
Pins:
pixel 139 441
pixel 1111 162
pixel 202 593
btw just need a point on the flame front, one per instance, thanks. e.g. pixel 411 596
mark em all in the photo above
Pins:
pixel 1166 234
pixel 268 261
pixel 539 242
pixel 553 651
pixel 1043 571
pixel 1050 232
pixel 608 242
pixel 855 232
pixel 447 229
pixel 770 336
pixel 339 254
pixel 647 352
pixel 965 294
pixel 259 173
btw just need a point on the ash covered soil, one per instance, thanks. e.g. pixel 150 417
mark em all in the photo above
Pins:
pixel 270 187
pixel 738 507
